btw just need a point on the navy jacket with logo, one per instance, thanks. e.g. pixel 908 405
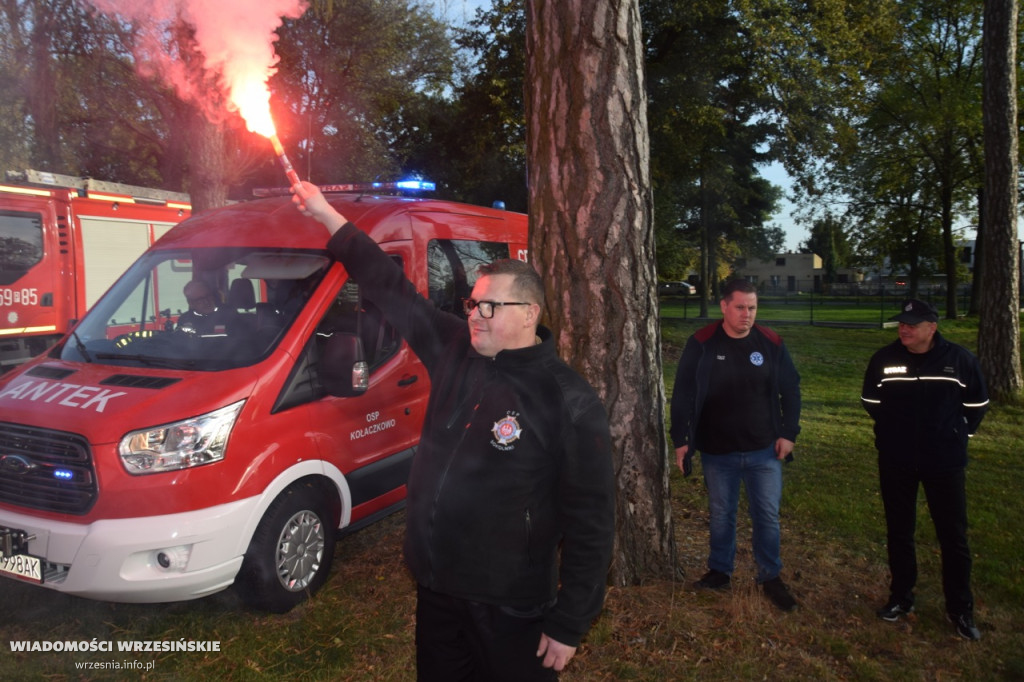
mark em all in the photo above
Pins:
pixel 511 495
pixel 694 374
pixel 925 405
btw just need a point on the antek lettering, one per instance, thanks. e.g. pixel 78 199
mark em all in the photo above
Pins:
pixel 59 393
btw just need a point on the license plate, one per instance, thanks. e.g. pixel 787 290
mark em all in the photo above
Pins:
pixel 23 567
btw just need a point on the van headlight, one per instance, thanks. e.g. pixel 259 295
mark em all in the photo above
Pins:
pixel 181 445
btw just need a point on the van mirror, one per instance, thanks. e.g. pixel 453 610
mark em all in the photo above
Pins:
pixel 343 369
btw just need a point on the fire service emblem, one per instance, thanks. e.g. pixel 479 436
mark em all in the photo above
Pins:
pixel 506 431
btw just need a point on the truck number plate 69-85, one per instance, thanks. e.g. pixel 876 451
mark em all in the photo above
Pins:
pixel 22 566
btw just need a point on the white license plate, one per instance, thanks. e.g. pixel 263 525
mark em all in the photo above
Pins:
pixel 22 566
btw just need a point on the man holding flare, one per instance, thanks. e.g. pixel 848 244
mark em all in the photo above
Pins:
pixel 510 510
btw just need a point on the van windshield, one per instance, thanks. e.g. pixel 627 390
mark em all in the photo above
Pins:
pixel 204 309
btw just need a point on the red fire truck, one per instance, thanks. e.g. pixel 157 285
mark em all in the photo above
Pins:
pixel 152 457
pixel 63 242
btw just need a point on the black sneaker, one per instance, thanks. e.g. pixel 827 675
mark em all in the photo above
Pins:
pixel 894 609
pixel 713 580
pixel 964 624
pixel 777 591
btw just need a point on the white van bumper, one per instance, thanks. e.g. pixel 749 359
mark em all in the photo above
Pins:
pixel 145 559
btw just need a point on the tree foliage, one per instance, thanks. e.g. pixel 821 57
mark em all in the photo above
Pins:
pixel 925 113
pixel 86 99
pixel 473 143
pixel 65 72
pixel 828 239
pixel 351 82
pixel 708 133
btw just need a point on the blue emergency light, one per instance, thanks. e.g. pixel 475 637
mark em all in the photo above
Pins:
pixel 415 185
pixel 398 185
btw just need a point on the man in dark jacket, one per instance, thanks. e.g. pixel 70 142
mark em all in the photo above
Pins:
pixel 927 396
pixel 510 511
pixel 737 400
pixel 204 315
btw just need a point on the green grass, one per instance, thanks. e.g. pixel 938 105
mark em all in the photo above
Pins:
pixel 360 626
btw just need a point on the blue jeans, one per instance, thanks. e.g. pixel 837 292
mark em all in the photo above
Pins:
pixel 761 475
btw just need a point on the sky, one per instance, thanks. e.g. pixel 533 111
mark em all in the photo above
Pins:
pixel 460 11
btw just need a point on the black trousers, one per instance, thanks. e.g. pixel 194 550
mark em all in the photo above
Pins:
pixel 947 504
pixel 463 641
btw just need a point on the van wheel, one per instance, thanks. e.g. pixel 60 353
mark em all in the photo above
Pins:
pixel 290 554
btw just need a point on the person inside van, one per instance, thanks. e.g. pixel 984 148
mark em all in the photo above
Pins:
pixel 511 496
pixel 204 316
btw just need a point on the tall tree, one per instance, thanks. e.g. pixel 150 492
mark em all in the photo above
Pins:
pixel 893 203
pixel 65 72
pixel 592 239
pixel 708 134
pixel 999 325
pixel 350 82
pixel 829 240
pixel 473 144
pixel 920 120
pixel 812 61
pixel 943 112
pixel 354 68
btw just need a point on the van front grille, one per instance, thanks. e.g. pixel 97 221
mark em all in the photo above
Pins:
pixel 46 470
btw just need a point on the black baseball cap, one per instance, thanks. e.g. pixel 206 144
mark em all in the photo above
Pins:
pixel 915 311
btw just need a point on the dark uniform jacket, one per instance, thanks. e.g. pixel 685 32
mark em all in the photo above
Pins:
pixel 511 494
pixel 694 374
pixel 925 405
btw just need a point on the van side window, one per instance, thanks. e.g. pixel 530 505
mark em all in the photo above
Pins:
pixel 452 269
pixel 352 315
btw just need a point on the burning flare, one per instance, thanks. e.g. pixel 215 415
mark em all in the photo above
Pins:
pixel 236 38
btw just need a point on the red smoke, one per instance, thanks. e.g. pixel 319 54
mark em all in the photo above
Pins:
pixel 236 38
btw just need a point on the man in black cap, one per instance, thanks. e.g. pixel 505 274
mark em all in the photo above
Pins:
pixel 927 396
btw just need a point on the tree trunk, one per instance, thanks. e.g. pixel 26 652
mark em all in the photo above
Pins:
pixel 978 272
pixel 949 252
pixel 207 183
pixel 40 89
pixel 593 242
pixel 708 274
pixel 999 324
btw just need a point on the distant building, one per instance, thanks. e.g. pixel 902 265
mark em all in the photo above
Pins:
pixel 932 278
pixel 792 273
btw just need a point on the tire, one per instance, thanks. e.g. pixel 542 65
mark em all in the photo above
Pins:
pixel 290 554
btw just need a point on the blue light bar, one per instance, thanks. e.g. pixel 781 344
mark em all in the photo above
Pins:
pixel 63 474
pixel 403 185
pixel 416 185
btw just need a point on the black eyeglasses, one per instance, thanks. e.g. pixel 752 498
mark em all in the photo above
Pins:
pixel 486 307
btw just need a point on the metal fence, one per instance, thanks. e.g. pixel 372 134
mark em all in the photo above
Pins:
pixel 846 308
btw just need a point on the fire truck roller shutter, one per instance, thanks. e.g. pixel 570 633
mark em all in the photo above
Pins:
pixel 110 246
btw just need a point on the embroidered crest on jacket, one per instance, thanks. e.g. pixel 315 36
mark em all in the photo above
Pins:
pixel 506 431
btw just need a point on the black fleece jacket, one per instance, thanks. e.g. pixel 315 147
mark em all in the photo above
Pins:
pixel 511 494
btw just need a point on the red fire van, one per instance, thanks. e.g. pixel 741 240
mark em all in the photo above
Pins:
pixel 147 459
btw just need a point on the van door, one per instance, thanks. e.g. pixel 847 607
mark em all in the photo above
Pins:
pixel 372 436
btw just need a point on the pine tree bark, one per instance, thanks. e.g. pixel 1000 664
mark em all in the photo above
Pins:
pixel 40 91
pixel 207 184
pixel 592 239
pixel 999 322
